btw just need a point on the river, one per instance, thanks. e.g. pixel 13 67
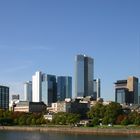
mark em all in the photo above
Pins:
pixel 20 135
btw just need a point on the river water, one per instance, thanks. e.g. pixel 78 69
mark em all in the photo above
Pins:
pixel 20 135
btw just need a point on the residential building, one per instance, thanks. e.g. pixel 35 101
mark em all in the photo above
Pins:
pixel 97 89
pixel 126 91
pixel 36 87
pixel 4 97
pixel 28 91
pixel 49 89
pixel 83 76
pixel 64 87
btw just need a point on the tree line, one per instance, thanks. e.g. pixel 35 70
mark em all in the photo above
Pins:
pixel 112 114
pixel 98 114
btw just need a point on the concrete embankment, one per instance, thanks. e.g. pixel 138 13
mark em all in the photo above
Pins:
pixel 76 130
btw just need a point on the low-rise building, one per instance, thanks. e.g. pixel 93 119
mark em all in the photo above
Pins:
pixel 70 107
pixel 26 106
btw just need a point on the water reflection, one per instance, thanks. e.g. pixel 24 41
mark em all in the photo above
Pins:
pixel 17 135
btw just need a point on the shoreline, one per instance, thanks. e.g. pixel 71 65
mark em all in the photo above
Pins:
pixel 74 130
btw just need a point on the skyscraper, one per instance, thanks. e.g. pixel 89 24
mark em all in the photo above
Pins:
pixel 64 87
pixel 4 97
pixel 49 89
pixel 36 87
pixel 97 88
pixel 28 91
pixel 83 76
pixel 139 93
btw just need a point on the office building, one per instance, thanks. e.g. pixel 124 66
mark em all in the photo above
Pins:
pixel 4 97
pixel 28 91
pixel 126 91
pixel 97 89
pixel 49 89
pixel 36 87
pixel 15 97
pixel 64 87
pixel 83 76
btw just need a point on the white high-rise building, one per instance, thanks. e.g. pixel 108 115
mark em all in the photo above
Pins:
pixel 28 91
pixel 36 87
pixel 97 88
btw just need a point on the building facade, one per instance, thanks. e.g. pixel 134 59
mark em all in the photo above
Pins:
pixel 83 76
pixel 26 106
pixel 97 88
pixel 28 91
pixel 64 87
pixel 70 107
pixel 36 87
pixel 139 93
pixel 4 97
pixel 49 89
pixel 126 91
pixel 15 97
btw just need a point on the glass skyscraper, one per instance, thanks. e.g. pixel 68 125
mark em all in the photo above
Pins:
pixel 28 91
pixel 64 87
pixel 83 76
pixel 4 97
pixel 49 89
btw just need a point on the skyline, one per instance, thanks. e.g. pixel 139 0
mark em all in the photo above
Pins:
pixel 47 36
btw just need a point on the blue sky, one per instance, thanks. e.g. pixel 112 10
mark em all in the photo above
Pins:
pixel 47 34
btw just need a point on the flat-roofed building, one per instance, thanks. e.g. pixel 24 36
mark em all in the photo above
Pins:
pixel 126 91
pixel 4 97
pixel 26 106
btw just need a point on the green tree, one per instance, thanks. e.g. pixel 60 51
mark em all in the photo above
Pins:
pixel 95 121
pixel 132 116
pixel 22 120
pixel 97 111
pixel 137 120
pixel 113 110
pixel 125 121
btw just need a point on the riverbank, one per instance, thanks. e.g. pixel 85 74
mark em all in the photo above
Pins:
pixel 76 130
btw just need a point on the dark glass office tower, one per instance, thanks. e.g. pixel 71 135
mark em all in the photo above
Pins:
pixel 4 97
pixel 83 76
pixel 64 87
pixel 49 89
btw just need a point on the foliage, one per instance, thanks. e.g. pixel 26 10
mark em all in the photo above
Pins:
pixel 97 111
pixel 125 121
pixel 63 118
pixel 137 120
pixel 95 121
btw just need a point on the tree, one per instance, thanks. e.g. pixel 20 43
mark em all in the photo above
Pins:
pixel 73 118
pixel 120 118
pixel 137 120
pixel 97 111
pixel 132 116
pixel 125 121
pixel 95 121
pixel 113 110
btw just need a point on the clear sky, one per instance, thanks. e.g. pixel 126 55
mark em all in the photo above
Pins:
pixel 47 34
